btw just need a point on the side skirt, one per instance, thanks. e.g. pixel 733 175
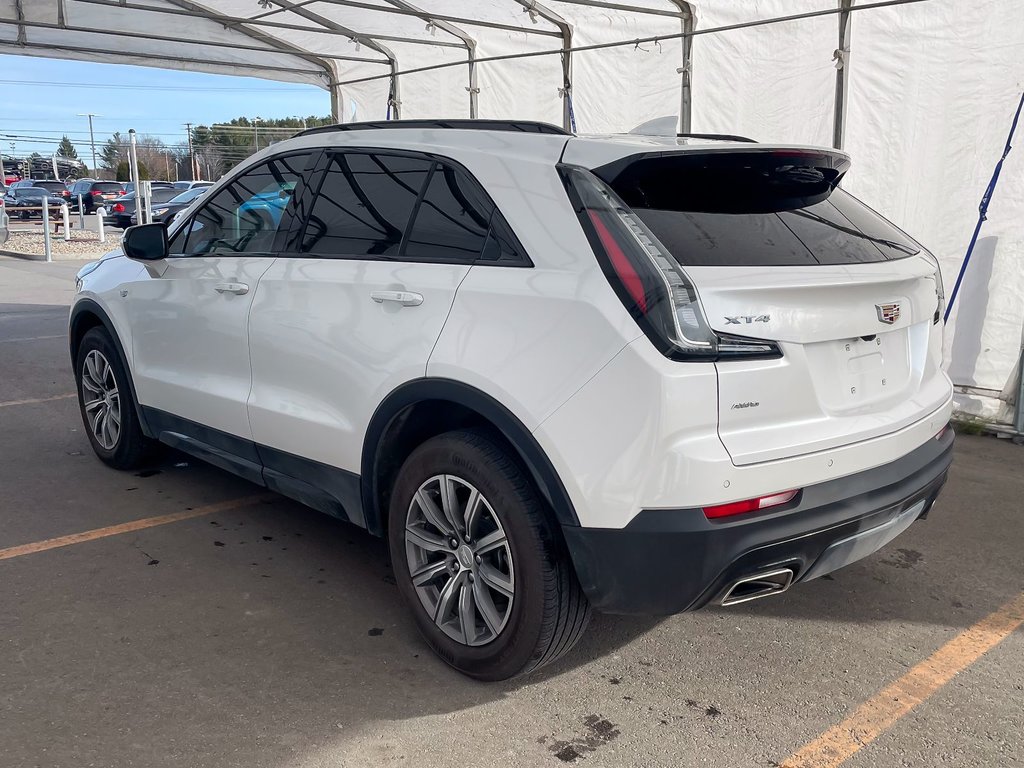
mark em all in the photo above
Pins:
pixel 327 489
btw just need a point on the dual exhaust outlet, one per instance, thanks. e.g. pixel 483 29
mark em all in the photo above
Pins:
pixel 764 584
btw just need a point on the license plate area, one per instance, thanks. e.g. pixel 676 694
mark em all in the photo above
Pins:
pixel 851 374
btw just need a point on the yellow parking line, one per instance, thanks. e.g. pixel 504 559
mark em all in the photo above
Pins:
pixel 884 709
pixel 33 400
pixel 134 525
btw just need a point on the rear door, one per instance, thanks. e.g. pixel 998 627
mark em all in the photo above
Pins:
pixel 777 253
pixel 355 306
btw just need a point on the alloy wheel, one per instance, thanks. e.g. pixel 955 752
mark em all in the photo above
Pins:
pixel 101 400
pixel 459 560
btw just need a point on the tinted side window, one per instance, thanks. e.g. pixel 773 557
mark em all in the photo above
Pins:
pixel 246 215
pixel 452 220
pixel 364 205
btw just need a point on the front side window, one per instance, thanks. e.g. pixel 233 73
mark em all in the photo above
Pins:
pixel 247 214
pixel 364 205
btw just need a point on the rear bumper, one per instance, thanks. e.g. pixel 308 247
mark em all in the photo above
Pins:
pixel 670 560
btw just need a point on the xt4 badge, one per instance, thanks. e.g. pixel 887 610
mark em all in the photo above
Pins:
pixel 747 319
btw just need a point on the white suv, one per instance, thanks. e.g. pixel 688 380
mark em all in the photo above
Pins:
pixel 634 373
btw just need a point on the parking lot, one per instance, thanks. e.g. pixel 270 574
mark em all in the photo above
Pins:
pixel 204 622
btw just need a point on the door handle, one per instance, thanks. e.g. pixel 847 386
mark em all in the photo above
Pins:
pixel 236 288
pixel 405 298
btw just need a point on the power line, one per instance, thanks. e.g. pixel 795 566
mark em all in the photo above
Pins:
pixel 147 87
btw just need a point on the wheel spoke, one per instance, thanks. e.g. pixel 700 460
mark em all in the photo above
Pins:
pixel 472 512
pixel 434 515
pixel 115 417
pixel 492 540
pixel 485 605
pixel 429 572
pixel 90 385
pixel 446 600
pixel 94 404
pixel 449 505
pixel 467 613
pixel 428 541
pixel 90 368
pixel 495 579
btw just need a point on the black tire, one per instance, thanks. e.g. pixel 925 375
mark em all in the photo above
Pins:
pixel 132 449
pixel 549 612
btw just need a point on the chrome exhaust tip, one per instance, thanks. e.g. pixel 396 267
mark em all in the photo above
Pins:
pixel 758 585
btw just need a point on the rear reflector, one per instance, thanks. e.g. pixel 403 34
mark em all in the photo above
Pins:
pixel 749 505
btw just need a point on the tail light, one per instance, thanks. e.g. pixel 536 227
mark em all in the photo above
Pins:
pixel 95 193
pixel 118 208
pixel 749 505
pixel 650 282
pixel 65 193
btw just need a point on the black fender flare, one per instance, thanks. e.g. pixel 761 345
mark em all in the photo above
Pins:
pixel 83 307
pixel 511 428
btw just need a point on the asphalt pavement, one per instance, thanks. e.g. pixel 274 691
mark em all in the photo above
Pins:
pixel 251 631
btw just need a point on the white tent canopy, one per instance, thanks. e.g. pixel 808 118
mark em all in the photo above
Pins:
pixel 921 95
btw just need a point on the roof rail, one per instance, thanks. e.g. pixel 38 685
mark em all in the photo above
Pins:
pixel 719 136
pixel 525 126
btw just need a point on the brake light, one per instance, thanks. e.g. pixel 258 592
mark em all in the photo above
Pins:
pixel 118 208
pixel 65 193
pixel 649 280
pixel 749 505
pixel 95 193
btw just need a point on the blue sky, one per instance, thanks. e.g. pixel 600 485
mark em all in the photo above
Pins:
pixel 39 98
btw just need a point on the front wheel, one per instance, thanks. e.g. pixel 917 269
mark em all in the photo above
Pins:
pixel 105 400
pixel 480 561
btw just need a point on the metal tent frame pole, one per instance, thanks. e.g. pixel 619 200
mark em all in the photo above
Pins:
pixel 842 59
pixel 565 31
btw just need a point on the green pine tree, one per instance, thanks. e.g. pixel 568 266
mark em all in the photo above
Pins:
pixel 67 149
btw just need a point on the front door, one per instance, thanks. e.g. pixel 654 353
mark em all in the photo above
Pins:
pixel 190 312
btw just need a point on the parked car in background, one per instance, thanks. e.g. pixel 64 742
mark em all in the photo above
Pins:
pixel 180 185
pixel 165 212
pixel 33 197
pixel 121 210
pixel 54 187
pixel 5 228
pixel 95 193
pixel 129 188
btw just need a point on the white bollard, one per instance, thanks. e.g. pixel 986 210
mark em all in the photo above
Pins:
pixel 67 222
pixel 99 225
pixel 46 230
pixel 81 213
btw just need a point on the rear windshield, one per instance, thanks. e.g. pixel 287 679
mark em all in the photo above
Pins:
pixel 107 186
pixel 722 211
pixel 53 186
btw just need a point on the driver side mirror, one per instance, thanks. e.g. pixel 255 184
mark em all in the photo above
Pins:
pixel 145 242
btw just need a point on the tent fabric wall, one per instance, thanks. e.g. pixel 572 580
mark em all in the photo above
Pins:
pixel 932 89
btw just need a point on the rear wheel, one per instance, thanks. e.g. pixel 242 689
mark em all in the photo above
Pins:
pixel 105 400
pixel 480 561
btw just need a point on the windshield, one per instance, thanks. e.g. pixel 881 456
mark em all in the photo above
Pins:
pixel 188 196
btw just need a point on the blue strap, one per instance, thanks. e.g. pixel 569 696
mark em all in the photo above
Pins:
pixel 986 198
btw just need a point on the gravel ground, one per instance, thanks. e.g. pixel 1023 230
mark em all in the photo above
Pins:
pixel 83 244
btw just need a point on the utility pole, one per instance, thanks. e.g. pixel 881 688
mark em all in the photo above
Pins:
pixel 92 138
pixel 191 153
pixel 256 132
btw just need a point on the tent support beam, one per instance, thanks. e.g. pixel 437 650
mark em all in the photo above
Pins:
pixel 439 17
pixel 468 42
pixel 842 57
pixel 565 30
pixel 687 23
pixel 144 57
pixel 394 98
